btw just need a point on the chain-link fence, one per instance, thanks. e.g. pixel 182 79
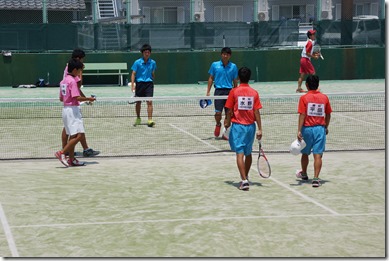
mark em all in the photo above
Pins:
pixel 48 25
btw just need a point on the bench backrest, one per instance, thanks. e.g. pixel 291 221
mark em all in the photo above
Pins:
pixel 105 66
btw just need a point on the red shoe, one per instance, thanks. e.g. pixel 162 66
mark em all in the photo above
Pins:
pixel 62 158
pixel 75 163
pixel 217 130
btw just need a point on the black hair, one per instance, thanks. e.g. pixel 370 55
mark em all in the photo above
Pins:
pixel 78 53
pixel 145 47
pixel 226 50
pixel 244 74
pixel 312 82
pixel 309 34
pixel 74 64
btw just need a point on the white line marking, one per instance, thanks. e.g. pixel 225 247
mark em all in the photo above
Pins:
pixel 276 181
pixel 195 137
pixel 8 233
pixel 305 197
pixel 197 220
pixel 348 117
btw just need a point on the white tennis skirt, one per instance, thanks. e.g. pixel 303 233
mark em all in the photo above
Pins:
pixel 72 120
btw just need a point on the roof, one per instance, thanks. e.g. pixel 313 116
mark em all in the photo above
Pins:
pixel 37 4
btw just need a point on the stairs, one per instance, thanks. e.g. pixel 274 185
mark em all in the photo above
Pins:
pixel 107 9
pixel 109 32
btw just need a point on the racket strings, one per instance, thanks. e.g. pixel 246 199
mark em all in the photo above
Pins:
pixel 263 166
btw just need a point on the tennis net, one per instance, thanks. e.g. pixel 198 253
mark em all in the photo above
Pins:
pixel 31 128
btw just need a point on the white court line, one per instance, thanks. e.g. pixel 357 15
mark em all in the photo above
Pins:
pixel 208 219
pixel 8 233
pixel 306 197
pixel 276 181
pixel 194 136
pixel 348 117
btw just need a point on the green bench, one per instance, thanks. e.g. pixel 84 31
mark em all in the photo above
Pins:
pixel 119 69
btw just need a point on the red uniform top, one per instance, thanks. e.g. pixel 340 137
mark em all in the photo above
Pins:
pixel 244 100
pixel 315 105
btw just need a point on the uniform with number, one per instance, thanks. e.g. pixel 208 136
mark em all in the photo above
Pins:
pixel 243 101
pixel 315 105
pixel 71 112
pixel 306 66
pixel 144 77
pixel 223 77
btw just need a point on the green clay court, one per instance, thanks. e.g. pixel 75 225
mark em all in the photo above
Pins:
pixel 190 206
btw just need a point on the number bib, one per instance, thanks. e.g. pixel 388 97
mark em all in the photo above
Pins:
pixel 245 103
pixel 316 109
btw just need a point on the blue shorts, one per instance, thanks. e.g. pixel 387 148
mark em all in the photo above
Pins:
pixel 241 138
pixel 315 138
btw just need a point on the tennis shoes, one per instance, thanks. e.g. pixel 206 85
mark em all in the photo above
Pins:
pixel 217 130
pixel 62 158
pixel 150 123
pixel 316 182
pixel 301 175
pixel 75 163
pixel 90 152
pixel 67 162
pixel 244 185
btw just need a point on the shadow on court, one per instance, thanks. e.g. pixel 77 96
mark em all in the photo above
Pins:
pixel 309 182
pixel 237 184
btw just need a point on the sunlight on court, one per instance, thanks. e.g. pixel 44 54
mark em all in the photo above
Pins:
pixel 190 206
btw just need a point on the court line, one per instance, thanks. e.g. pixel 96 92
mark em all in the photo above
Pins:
pixel 194 136
pixel 196 220
pixel 8 233
pixel 348 117
pixel 305 197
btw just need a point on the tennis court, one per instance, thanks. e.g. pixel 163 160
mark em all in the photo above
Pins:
pixel 190 206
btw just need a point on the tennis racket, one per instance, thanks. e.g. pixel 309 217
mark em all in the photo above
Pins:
pixel 133 96
pixel 317 49
pixel 263 165
pixel 88 102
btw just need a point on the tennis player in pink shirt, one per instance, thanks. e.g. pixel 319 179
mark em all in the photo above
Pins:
pixel 243 106
pixel 71 115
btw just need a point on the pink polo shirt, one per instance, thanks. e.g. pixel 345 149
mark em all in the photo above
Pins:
pixel 69 91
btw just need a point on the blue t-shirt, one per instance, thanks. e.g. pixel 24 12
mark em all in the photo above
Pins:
pixel 223 77
pixel 144 71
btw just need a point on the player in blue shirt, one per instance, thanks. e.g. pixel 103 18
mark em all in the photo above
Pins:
pixel 142 77
pixel 224 75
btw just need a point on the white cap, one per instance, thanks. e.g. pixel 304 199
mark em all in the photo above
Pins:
pixel 297 146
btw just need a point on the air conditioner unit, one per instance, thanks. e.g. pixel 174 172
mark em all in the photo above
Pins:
pixel 326 15
pixel 198 17
pixel 263 16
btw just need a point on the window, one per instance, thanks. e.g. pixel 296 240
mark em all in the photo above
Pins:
pixel 159 15
pixel 292 12
pixel 228 14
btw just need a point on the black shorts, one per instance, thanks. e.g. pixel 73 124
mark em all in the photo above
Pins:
pixel 144 89
pixel 219 104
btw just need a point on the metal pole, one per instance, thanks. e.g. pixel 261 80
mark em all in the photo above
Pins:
pixel 95 16
pixel 255 18
pixel 382 14
pixel 128 8
pixel 192 10
pixel 318 10
pixel 44 11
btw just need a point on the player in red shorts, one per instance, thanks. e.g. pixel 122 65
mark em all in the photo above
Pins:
pixel 306 66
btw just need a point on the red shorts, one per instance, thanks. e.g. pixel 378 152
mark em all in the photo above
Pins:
pixel 306 66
